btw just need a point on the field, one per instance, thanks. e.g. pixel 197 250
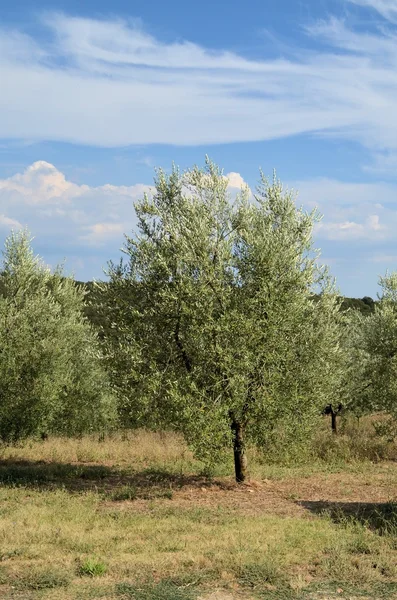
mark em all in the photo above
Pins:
pixel 133 517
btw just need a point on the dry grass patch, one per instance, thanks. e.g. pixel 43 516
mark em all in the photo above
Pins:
pixel 205 545
pixel 137 449
pixel 135 518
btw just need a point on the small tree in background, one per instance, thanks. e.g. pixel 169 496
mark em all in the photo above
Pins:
pixel 350 398
pixel 333 410
pixel 372 372
pixel 51 376
pixel 212 326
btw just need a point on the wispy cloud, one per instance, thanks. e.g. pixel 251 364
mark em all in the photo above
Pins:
pixel 351 211
pixel 387 8
pixel 384 258
pixel 384 163
pixel 371 228
pixel 7 223
pixel 110 83
pixel 99 233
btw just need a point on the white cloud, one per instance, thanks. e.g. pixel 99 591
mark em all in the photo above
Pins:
pixel 64 213
pixel 45 200
pixel 374 224
pixel 236 184
pixel 85 224
pixel 110 83
pixel 235 180
pixel 331 193
pixel 41 183
pixel 42 198
pixel 91 43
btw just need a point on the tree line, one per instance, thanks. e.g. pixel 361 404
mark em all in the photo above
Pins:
pixel 219 322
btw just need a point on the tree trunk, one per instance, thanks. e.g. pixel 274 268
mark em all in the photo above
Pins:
pixel 240 459
pixel 333 422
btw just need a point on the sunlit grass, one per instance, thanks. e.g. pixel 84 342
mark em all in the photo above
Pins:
pixel 137 449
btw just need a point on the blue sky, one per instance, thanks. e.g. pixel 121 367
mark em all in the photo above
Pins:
pixel 92 99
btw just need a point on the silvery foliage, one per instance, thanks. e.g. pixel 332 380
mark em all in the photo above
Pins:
pixel 213 314
pixel 372 345
pixel 51 376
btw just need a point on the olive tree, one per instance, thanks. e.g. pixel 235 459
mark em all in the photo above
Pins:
pixel 372 341
pixel 213 329
pixel 51 373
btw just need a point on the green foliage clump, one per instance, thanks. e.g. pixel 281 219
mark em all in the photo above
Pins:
pixel 266 572
pixel 371 371
pixel 51 373
pixel 127 492
pixel 92 567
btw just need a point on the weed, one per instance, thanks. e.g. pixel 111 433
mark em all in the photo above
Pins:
pixel 359 546
pixel 256 575
pixel 91 567
pixel 127 492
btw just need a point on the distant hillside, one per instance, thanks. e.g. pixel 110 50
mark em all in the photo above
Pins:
pixel 365 305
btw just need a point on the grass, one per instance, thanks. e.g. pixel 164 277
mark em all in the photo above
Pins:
pixel 131 517
pixel 165 590
pixel 91 567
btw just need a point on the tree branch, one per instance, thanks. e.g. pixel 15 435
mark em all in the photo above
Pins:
pixel 186 360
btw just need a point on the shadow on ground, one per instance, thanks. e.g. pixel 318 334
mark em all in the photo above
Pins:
pixel 380 517
pixel 112 482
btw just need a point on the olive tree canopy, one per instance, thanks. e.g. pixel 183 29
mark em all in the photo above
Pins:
pixel 213 327
pixel 372 346
pixel 51 373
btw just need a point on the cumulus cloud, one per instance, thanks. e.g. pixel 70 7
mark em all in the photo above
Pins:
pixel 41 183
pixel 110 83
pixel 51 205
pixel 64 215
pixel 235 180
